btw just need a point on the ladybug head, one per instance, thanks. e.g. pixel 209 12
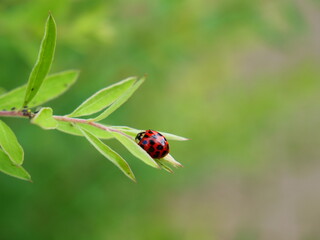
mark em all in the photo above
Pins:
pixel 139 136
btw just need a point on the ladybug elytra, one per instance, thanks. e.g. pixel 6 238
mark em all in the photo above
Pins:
pixel 154 143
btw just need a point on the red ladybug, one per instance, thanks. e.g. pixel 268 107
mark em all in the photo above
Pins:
pixel 154 143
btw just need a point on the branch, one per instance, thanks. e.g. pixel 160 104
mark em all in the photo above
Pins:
pixel 12 114
pixel 85 121
pixel 27 114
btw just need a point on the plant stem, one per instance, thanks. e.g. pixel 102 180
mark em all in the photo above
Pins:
pixel 85 121
pixel 20 114
pixel 12 114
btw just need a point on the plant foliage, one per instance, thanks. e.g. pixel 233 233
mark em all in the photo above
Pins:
pixel 42 88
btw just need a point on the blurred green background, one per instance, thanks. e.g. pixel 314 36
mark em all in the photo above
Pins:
pixel 240 78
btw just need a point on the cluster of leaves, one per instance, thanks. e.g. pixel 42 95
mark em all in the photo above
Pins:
pixel 42 88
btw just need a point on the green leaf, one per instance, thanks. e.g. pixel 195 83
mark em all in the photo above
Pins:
pixel 106 151
pixel 69 128
pixel 170 136
pixel 7 167
pixel 72 129
pixel 10 144
pixel 170 160
pixel 133 133
pixel 103 98
pixel 135 149
pixel 163 166
pixel 44 119
pixel 52 87
pixel 44 60
pixel 121 100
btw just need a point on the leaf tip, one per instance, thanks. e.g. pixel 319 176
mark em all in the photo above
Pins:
pixel 77 71
pixel 50 15
pixel 177 164
pixel 182 139
pixel 131 176
pixel 142 79
pixel 168 170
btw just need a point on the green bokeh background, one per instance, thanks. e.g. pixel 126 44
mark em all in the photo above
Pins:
pixel 240 78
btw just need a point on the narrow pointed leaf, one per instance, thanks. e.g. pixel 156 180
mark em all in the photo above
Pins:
pixel 163 166
pixel 170 136
pixel 10 144
pixel 103 98
pixel 133 132
pixel 69 128
pixel 121 100
pixel 7 167
pixel 72 129
pixel 170 160
pixel 44 60
pixel 106 151
pixel 44 119
pixel 135 149
pixel 52 87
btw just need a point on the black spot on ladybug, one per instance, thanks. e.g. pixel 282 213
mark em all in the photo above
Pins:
pixel 159 147
pixel 152 142
pixel 156 154
pixel 144 142
pixel 164 153
pixel 151 149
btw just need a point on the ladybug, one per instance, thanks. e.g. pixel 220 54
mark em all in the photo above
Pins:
pixel 154 143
